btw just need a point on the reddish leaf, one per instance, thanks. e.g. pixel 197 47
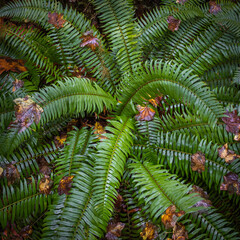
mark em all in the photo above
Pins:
pixel 17 84
pixel 45 185
pixel 232 122
pixel 179 232
pixel 231 183
pixel 227 154
pixel 114 230
pixel 214 8
pixel 89 40
pixel 145 113
pixel 170 218
pixel 65 185
pixel 8 64
pixel 202 203
pixel 173 23
pixel 56 19
pixel 27 112
pixel 11 173
pixel 149 232
pixel 198 162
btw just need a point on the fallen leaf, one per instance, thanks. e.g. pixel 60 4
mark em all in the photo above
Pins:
pixel 149 232
pixel 56 19
pixel 88 40
pixel 1 171
pixel 181 1
pixel 227 154
pixel 179 232
pixel 173 23
pixel 45 185
pixel 198 162
pixel 114 230
pixel 60 140
pixel 65 185
pixel 232 123
pixel 231 183
pixel 26 232
pixel 11 173
pixel 145 113
pixel 45 170
pixel 119 205
pixel 27 112
pixel 214 8
pixel 99 130
pixel 17 84
pixel 202 203
pixel 9 64
pixel 170 218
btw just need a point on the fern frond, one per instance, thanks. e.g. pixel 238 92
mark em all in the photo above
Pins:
pixel 168 79
pixel 21 202
pixel 118 17
pixel 156 189
pixel 111 157
pixel 72 96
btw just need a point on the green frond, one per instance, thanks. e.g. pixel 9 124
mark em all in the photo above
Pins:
pixel 156 189
pixel 117 17
pixel 236 78
pixel 26 159
pixel 76 218
pixel 79 142
pixel 72 96
pixel 174 151
pixel 210 225
pixel 21 202
pixel 110 161
pixel 27 43
pixel 168 79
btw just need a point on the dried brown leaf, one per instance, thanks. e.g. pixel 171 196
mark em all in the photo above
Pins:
pixel 227 154
pixel 11 173
pixel 231 183
pixel 214 8
pixel 232 122
pixel 45 185
pixel 88 40
pixel 179 232
pixel 173 23
pixel 56 19
pixel 170 218
pixel 114 230
pixel 17 84
pixel 198 162
pixel 181 1
pixel 149 232
pixel 8 64
pixel 99 130
pixel 65 185
pixel 60 140
pixel 145 113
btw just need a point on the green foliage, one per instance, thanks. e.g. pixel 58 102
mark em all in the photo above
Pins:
pixel 124 170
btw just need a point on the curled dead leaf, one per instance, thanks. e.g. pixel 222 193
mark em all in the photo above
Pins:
pixel 26 232
pixel 214 8
pixel 179 232
pixel 9 64
pixel 88 40
pixel 232 122
pixel 99 130
pixel 145 113
pixel 56 19
pixel 11 173
pixel 27 112
pixel 114 230
pixel 149 232
pixel 65 185
pixel 227 154
pixel 231 183
pixel 198 162
pixel 17 84
pixel 202 203
pixel 170 218
pixel 173 23
pixel 45 185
